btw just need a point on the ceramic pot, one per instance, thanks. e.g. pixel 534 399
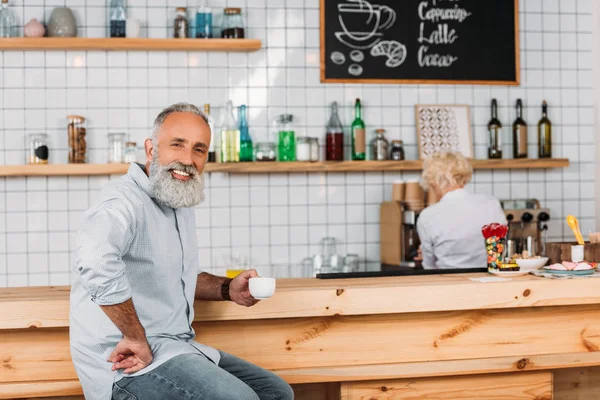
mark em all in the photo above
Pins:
pixel 62 23
pixel 34 28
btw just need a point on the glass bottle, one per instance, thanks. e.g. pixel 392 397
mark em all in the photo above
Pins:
pixel 204 22
pixel 38 149
pixel 230 136
pixel 314 149
pixel 545 133
pixel 334 138
pixel 246 151
pixel 116 145
pixel 358 134
pixel 397 153
pixel 8 21
pixel 129 155
pixel 213 138
pixel 495 133
pixel 180 25
pixel 519 128
pixel 233 25
pixel 118 18
pixel 286 146
pixel 380 146
pixel 76 136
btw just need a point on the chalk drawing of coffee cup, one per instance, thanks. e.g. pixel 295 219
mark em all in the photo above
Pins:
pixel 362 20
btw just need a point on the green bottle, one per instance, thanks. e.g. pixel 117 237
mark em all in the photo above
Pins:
pixel 246 152
pixel 358 134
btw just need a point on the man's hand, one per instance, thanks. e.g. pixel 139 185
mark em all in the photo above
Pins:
pixel 130 354
pixel 239 290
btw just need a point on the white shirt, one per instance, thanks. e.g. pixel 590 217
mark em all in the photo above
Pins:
pixel 450 230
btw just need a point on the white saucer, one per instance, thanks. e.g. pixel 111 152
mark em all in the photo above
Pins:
pixel 508 273
pixel 261 298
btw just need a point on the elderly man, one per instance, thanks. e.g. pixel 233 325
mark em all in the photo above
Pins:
pixel 132 300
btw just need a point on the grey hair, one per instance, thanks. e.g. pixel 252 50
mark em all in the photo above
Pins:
pixel 177 107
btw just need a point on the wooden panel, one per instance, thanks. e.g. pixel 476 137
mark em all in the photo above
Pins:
pixel 317 391
pixel 559 251
pixel 577 384
pixel 276 167
pixel 40 389
pixel 49 306
pixel 141 44
pixel 533 386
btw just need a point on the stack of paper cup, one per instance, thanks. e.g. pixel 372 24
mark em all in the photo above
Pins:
pixel 398 190
pixel 414 197
pixel 431 197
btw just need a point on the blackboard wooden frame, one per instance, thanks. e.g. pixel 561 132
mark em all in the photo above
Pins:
pixel 515 82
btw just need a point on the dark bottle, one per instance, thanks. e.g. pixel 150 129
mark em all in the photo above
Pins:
pixel 545 133
pixel 334 149
pixel 495 133
pixel 519 128
pixel 358 134
pixel 180 25
pixel 118 18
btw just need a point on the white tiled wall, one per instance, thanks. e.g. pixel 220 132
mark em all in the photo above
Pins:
pixel 276 220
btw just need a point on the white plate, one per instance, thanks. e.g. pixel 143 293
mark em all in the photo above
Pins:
pixel 532 263
pixel 508 273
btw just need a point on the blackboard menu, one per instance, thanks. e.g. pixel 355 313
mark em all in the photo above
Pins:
pixel 420 41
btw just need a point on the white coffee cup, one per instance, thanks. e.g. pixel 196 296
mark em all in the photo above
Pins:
pixel 577 253
pixel 262 288
pixel 132 28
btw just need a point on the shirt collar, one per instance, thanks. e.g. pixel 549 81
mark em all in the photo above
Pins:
pixel 137 172
pixel 455 194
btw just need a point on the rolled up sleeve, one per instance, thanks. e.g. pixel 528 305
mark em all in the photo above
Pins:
pixel 104 237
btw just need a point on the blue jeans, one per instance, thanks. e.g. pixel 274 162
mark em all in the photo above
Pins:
pixel 193 376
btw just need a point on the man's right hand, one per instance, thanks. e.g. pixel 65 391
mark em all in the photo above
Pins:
pixel 131 355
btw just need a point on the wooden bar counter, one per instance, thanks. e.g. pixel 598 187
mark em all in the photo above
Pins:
pixel 414 337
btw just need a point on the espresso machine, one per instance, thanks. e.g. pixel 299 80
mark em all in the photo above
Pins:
pixel 527 227
pixel 399 241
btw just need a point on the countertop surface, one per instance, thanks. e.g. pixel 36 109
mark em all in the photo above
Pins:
pixel 48 306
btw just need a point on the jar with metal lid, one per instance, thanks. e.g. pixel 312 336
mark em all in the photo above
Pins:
pixel 380 146
pixel 116 144
pixel 129 155
pixel 314 149
pixel 265 151
pixel 38 149
pixel 77 143
pixel 180 25
pixel 303 149
pixel 233 25
pixel 397 152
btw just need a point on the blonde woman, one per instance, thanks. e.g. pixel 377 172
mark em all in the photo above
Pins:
pixel 450 230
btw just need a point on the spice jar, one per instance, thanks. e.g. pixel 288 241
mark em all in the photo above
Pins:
pixel 314 149
pixel 129 153
pixel 115 147
pixel 303 149
pixel 181 24
pixel 265 151
pixel 38 149
pixel 397 152
pixel 380 146
pixel 233 25
pixel 77 143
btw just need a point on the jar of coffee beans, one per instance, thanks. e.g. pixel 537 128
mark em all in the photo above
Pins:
pixel 77 143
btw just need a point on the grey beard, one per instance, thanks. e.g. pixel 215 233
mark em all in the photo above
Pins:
pixel 172 192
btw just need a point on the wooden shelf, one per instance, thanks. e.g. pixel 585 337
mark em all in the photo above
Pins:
pixel 137 44
pixel 276 167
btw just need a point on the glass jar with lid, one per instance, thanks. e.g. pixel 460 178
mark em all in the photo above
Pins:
pixel 265 151
pixel 116 144
pixel 314 149
pixel 286 145
pixel 233 24
pixel 397 152
pixel 303 149
pixel 38 149
pixel 380 146
pixel 180 25
pixel 129 155
pixel 77 142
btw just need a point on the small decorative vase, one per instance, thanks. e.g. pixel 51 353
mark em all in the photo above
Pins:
pixel 62 23
pixel 34 28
